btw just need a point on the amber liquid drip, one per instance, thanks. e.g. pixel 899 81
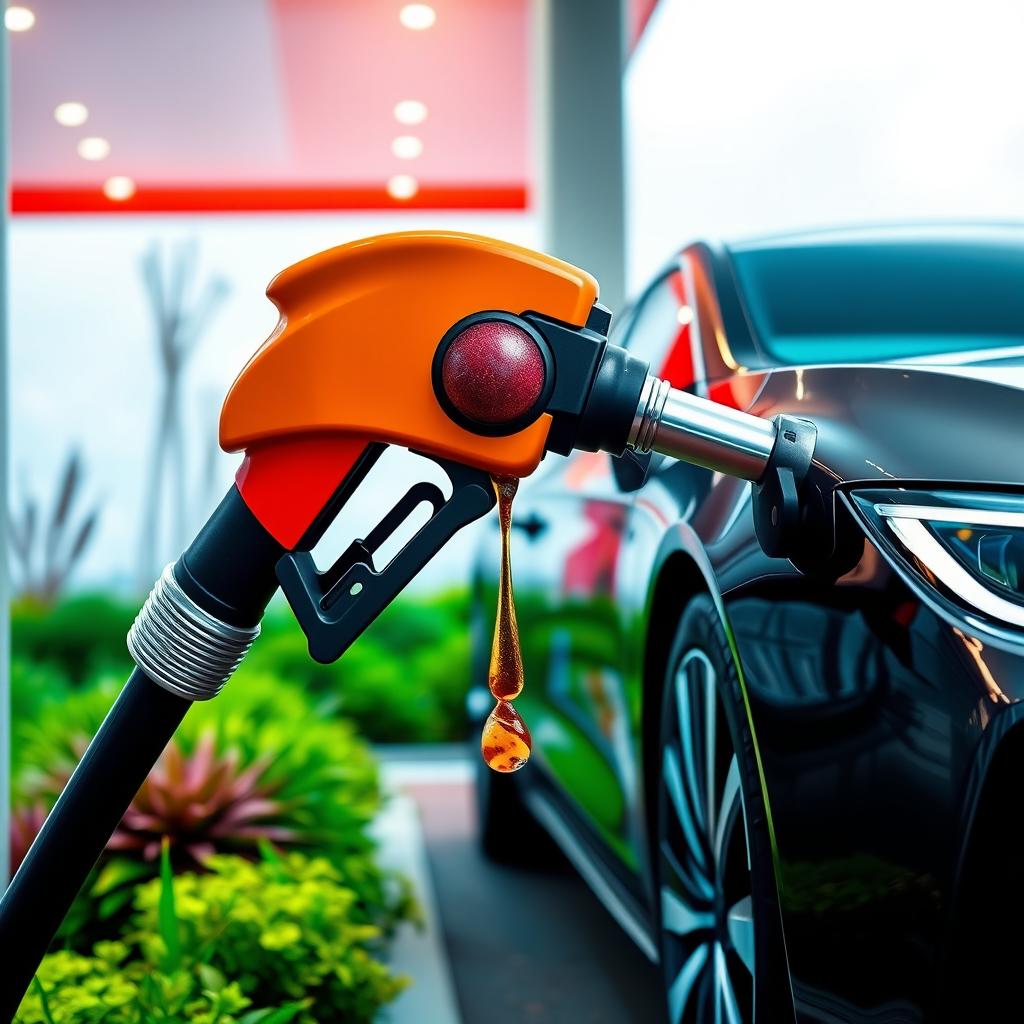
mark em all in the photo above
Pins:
pixel 505 743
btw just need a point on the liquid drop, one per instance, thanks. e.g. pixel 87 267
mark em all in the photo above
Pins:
pixel 506 742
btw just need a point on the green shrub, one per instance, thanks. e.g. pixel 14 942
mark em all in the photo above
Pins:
pixel 324 776
pixel 285 928
pixel 254 943
pixel 403 681
pixel 34 685
pixel 47 744
pixel 296 936
pixel 262 764
pixel 77 636
pixel 103 989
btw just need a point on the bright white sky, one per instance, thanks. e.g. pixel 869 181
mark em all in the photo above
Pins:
pixel 747 117
pixel 742 118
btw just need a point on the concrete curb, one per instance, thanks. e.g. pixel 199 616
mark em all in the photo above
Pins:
pixel 418 953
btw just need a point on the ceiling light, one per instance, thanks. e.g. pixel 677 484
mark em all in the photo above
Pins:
pixel 119 188
pixel 21 19
pixel 403 186
pixel 410 112
pixel 93 148
pixel 407 147
pixel 417 16
pixel 71 114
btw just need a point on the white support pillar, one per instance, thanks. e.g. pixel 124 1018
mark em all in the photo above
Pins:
pixel 5 647
pixel 577 61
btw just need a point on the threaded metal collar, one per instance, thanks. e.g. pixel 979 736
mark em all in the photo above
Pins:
pixel 183 648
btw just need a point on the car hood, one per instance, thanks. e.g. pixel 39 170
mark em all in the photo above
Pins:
pixel 950 424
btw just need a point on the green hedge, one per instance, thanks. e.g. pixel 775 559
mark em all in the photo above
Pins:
pixel 403 681
pixel 276 941
pixel 261 805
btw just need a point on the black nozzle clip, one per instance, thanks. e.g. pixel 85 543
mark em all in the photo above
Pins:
pixel 335 606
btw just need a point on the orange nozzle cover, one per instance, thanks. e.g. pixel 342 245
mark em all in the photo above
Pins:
pixel 352 352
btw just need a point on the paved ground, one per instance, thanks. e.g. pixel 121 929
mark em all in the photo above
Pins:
pixel 525 946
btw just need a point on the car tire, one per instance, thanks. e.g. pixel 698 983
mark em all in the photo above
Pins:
pixel 716 900
pixel 508 833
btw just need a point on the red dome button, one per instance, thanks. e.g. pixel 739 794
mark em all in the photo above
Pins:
pixel 493 372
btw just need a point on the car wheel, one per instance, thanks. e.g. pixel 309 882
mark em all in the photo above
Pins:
pixel 712 856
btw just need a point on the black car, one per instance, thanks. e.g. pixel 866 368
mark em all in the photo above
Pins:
pixel 797 789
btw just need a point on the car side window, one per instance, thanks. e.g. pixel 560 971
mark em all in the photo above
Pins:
pixel 659 331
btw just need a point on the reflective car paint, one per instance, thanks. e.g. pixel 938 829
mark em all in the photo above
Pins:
pixel 877 717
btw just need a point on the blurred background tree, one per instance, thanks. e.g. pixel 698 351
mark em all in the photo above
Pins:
pixel 46 548
pixel 179 323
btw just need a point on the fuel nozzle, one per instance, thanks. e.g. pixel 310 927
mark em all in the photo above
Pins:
pixel 480 355
pixel 496 373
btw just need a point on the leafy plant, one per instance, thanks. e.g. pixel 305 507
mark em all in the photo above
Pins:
pixel 286 928
pixel 34 686
pixel 260 738
pixel 283 930
pixel 403 681
pixel 78 636
pixel 25 825
pixel 204 799
pixel 258 763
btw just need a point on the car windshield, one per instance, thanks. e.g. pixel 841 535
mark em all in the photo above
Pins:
pixel 837 302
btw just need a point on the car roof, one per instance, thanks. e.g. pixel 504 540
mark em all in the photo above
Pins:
pixel 949 232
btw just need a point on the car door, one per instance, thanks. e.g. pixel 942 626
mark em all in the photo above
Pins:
pixel 577 520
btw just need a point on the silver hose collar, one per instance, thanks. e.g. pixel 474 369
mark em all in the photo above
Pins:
pixel 700 431
pixel 648 414
pixel 183 648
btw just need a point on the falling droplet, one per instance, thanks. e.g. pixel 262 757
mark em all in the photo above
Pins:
pixel 505 743
pixel 505 676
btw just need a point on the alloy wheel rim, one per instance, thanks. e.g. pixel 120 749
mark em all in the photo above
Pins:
pixel 706 909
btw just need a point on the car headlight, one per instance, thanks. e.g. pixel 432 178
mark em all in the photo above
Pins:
pixel 965 547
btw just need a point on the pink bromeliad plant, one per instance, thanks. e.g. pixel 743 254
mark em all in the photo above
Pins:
pixel 206 802
pixel 257 766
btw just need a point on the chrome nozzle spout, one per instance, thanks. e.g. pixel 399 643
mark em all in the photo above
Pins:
pixel 705 433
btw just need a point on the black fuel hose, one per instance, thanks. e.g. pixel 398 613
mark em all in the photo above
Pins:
pixel 228 571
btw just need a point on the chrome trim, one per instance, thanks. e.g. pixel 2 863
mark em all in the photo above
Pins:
pixel 574 851
pixel 945 514
pixel 916 538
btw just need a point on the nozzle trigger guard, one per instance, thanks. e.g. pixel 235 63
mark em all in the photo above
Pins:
pixel 335 606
